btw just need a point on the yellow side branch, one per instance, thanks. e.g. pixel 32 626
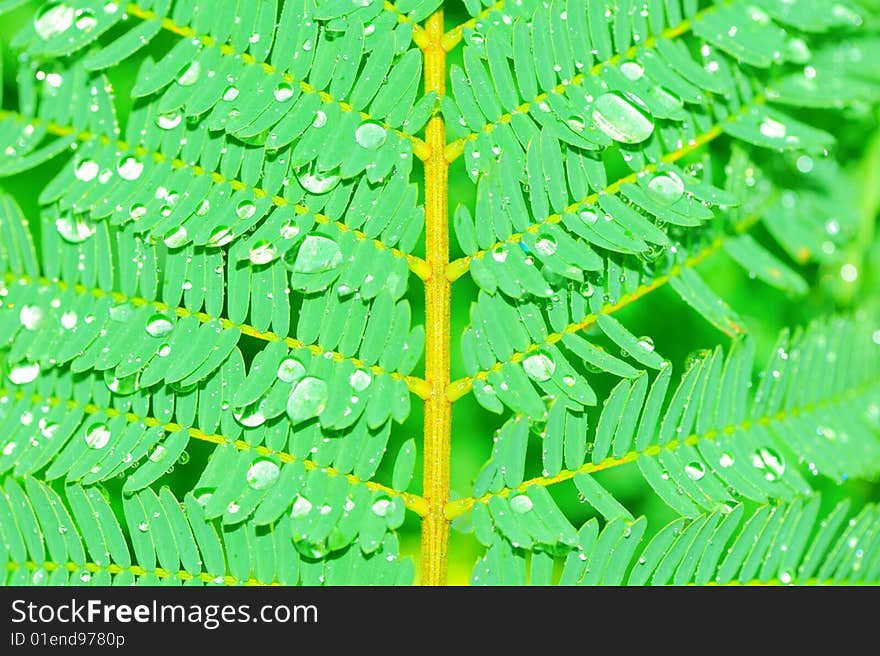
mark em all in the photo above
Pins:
pixel 438 410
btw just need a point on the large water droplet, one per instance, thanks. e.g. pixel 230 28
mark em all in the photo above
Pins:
pixel 24 373
pixel 545 244
pixel 621 120
pixel 576 122
pixel 316 182
pixel 120 386
pixel 770 462
pixel 245 209
pixel 158 325
pixel 301 507
pixel 191 75
pixel 772 128
pixel 158 454
pixel 250 416
pixel 290 370
pixel 289 230
pixel 381 507
pixel 320 119
pixel 360 380
pixel 97 436
pixel 308 399
pixel 230 93
pixel 317 254
pixel 632 70
pixel 86 20
pixel 539 366
pixel 86 170
pixel 129 168
pixel 74 230
pixel 666 187
pixel 220 236
pixel 646 344
pixel 262 252
pixel 262 474
pixel 31 316
pixel 370 136
pixel 53 19
pixel 175 237
pixel 283 92
pixel 695 470
pixel 521 504
pixel 169 121
pixel 726 459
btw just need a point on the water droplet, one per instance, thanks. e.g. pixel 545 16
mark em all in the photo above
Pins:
pixel 250 416
pixel 283 92
pixel 73 229
pixel 129 168
pixel 169 121
pixel 53 19
pixel 120 312
pixel 230 93
pixel 262 474
pixel 316 182
pixel 31 316
pixel 381 507
pixel 770 462
pixel 695 470
pixel 24 373
pixel 120 386
pixel 521 504
pixel 97 436
pixel 726 459
pixel 290 370
pixel 646 344
pixel 136 211
pixel 158 454
pixel 9 448
pixel 370 136
pixel 245 209
pixel 499 254
pixel 143 527
pixel 191 75
pixel 159 325
pixel 588 216
pixel 621 120
pixel 86 20
pixel 86 170
pixel 262 252
pixel 301 507
pixel 666 187
pixel 772 128
pixel 308 399
pixel 539 366
pixel 320 119
pixel 175 237
pixel 289 230
pixel 317 254
pixel 576 122
pixel 360 380
pixel 220 236
pixel 632 70
pixel 545 244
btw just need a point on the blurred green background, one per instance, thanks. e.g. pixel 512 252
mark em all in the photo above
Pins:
pixel 676 329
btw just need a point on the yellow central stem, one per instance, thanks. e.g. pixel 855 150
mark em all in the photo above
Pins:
pixel 438 410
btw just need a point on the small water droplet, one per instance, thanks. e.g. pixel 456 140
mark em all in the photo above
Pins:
pixel 230 93
pixel 320 119
pixel 772 128
pixel 769 461
pixel 726 459
pixel 576 122
pixel 191 75
pixel 381 507
pixel 74 229
pixel 283 92
pixel 646 344
pixel 314 181
pixel 545 244
pixel 31 316
pixel 86 20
